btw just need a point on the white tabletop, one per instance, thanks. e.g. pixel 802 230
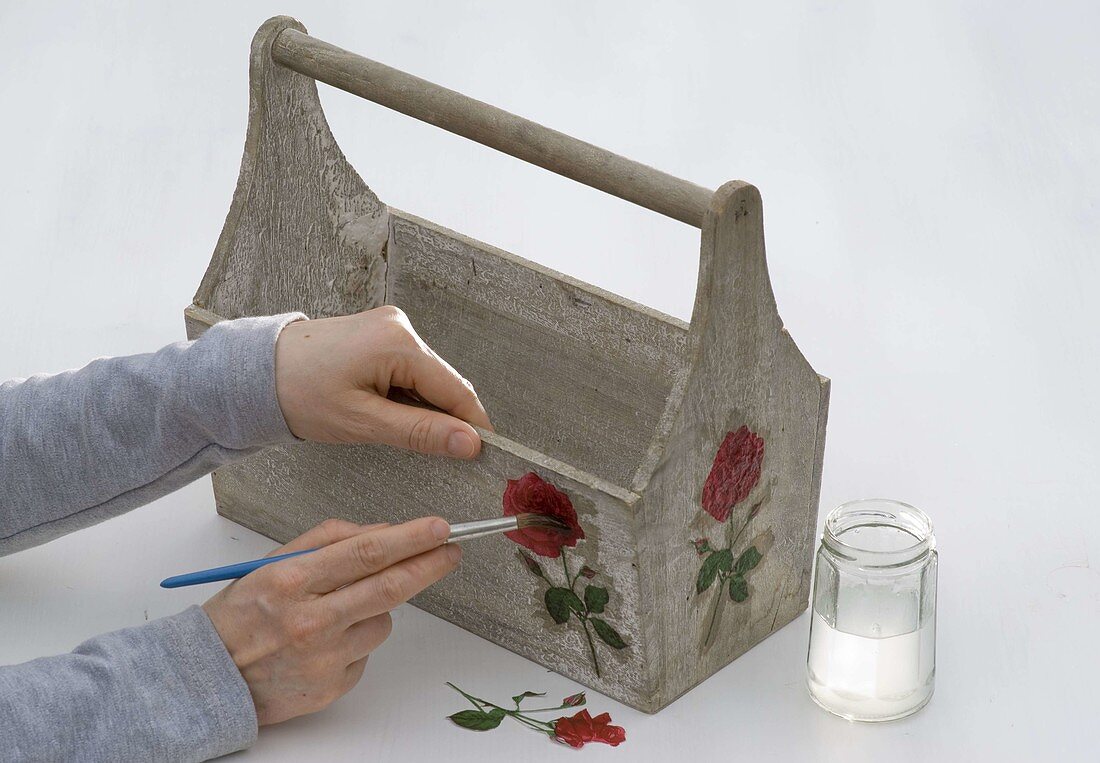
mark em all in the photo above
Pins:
pixel 929 184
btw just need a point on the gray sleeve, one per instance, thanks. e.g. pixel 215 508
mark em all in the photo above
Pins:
pixel 164 691
pixel 82 446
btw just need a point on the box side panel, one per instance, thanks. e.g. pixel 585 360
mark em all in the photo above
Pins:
pixel 565 368
pixel 495 592
pixel 729 511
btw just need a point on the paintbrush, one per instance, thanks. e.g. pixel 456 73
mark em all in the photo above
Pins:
pixel 459 532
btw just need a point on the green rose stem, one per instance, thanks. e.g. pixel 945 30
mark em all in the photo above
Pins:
pixel 714 612
pixel 738 536
pixel 591 645
pixel 724 576
pixel 543 727
pixel 583 617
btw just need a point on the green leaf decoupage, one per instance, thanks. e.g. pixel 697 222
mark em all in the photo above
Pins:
pixel 749 558
pixel 739 588
pixel 609 635
pixel 560 602
pixel 595 598
pixel 707 573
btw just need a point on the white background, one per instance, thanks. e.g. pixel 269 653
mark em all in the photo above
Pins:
pixel 929 174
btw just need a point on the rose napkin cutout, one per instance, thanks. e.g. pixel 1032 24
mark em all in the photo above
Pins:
pixel 574 730
pixel 570 601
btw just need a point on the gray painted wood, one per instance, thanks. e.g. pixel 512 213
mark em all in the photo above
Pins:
pixel 744 370
pixel 618 406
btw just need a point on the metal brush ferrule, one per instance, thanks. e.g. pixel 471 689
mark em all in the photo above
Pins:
pixel 478 528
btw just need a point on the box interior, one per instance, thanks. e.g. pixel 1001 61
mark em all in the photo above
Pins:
pixel 561 366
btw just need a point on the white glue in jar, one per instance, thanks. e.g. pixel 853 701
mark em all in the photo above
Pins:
pixel 872 653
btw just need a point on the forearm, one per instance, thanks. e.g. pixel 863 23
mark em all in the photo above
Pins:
pixel 167 690
pixel 82 446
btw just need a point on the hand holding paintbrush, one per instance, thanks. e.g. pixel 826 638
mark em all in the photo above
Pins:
pixel 300 631
pixel 459 532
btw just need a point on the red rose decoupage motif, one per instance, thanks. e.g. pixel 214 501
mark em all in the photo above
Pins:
pixel 733 475
pixel 735 472
pixel 532 494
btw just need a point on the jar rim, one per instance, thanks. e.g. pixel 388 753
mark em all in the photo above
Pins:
pixel 879 512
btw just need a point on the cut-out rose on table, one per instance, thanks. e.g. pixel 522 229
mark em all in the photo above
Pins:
pixel 732 477
pixel 574 730
pixel 532 494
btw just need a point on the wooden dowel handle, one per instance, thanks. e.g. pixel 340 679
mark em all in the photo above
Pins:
pixel 493 127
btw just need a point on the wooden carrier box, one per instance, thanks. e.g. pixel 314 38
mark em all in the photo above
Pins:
pixel 691 454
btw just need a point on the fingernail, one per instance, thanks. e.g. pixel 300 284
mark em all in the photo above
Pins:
pixel 454 551
pixel 460 445
pixel 440 529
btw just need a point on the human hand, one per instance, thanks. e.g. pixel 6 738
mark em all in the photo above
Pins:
pixel 333 375
pixel 300 630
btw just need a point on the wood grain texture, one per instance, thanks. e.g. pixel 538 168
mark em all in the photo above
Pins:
pixel 499 319
pixel 618 406
pixel 744 369
pixel 304 232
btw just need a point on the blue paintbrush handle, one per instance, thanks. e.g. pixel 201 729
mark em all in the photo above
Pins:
pixel 228 572
pixel 459 532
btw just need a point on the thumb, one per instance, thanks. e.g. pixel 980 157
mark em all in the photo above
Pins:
pixel 421 429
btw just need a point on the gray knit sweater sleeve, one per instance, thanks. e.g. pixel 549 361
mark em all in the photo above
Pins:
pixel 82 446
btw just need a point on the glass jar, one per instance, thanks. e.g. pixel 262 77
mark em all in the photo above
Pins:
pixel 872 653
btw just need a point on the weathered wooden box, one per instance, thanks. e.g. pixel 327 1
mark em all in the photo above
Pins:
pixel 691 453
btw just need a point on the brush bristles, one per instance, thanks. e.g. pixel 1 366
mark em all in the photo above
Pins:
pixel 541 520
